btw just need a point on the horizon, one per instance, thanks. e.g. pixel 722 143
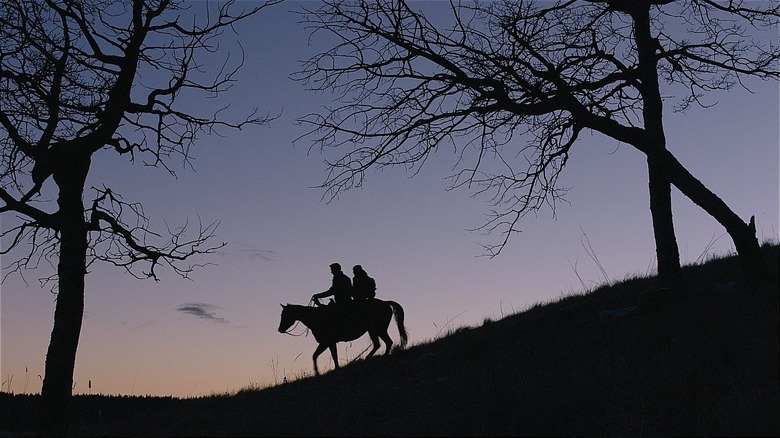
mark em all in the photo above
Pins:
pixel 439 336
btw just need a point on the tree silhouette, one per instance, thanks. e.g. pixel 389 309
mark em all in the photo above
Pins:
pixel 511 85
pixel 82 77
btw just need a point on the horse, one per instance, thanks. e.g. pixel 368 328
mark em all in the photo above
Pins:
pixel 335 323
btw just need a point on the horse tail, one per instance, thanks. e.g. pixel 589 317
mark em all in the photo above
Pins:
pixel 398 311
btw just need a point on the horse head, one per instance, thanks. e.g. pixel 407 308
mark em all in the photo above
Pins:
pixel 288 319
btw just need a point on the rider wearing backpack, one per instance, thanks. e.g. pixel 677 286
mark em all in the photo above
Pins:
pixel 363 286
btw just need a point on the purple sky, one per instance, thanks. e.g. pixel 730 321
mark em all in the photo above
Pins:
pixel 217 332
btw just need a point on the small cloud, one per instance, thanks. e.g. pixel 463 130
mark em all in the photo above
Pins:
pixel 240 249
pixel 136 325
pixel 202 311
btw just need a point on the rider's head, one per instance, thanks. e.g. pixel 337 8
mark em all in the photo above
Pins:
pixel 357 269
pixel 335 267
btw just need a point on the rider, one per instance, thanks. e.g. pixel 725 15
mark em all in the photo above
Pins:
pixel 341 289
pixel 363 286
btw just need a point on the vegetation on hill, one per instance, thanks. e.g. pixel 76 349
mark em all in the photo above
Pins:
pixel 615 361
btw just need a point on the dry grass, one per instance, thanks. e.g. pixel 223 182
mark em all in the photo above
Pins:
pixel 703 363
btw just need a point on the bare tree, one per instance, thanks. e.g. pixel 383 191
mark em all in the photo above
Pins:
pixel 79 78
pixel 510 86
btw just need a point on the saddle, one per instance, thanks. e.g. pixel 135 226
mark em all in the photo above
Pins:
pixel 353 311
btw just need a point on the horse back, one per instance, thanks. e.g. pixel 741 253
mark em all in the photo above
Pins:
pixel 342 323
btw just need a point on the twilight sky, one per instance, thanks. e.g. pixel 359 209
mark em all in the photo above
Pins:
pixel 217 332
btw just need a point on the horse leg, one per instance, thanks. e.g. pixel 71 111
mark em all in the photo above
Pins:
pixel 375 340
pixel 317 352
pixel 335 353
pixel 388 341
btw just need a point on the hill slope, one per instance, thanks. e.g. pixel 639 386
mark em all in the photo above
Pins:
pixel 593 364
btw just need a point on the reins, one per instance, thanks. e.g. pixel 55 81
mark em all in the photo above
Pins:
pixel 306 332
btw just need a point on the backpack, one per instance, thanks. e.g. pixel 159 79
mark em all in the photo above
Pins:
pixel 370 292
pixel 368 289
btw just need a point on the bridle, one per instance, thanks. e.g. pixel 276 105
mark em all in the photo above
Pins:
pixel 312 303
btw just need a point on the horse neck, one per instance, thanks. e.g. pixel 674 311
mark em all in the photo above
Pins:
pixel 307 315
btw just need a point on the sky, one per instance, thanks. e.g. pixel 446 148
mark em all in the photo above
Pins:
pixel 217 331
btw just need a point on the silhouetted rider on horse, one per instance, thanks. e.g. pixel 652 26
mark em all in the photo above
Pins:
pixel 354 311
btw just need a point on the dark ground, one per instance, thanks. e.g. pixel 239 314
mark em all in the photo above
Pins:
pixel 598 364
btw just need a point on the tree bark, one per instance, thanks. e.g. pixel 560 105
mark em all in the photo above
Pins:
pixel 69 310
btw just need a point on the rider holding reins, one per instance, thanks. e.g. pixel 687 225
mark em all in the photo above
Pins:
pixel 341 289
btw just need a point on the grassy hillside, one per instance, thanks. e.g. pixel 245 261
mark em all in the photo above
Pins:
pixel 705 363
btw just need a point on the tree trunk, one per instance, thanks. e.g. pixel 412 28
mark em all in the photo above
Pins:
pixel 69 310
pixel 667 252
pixel 743 234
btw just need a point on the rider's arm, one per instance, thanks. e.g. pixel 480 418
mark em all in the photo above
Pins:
pixel 322 294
